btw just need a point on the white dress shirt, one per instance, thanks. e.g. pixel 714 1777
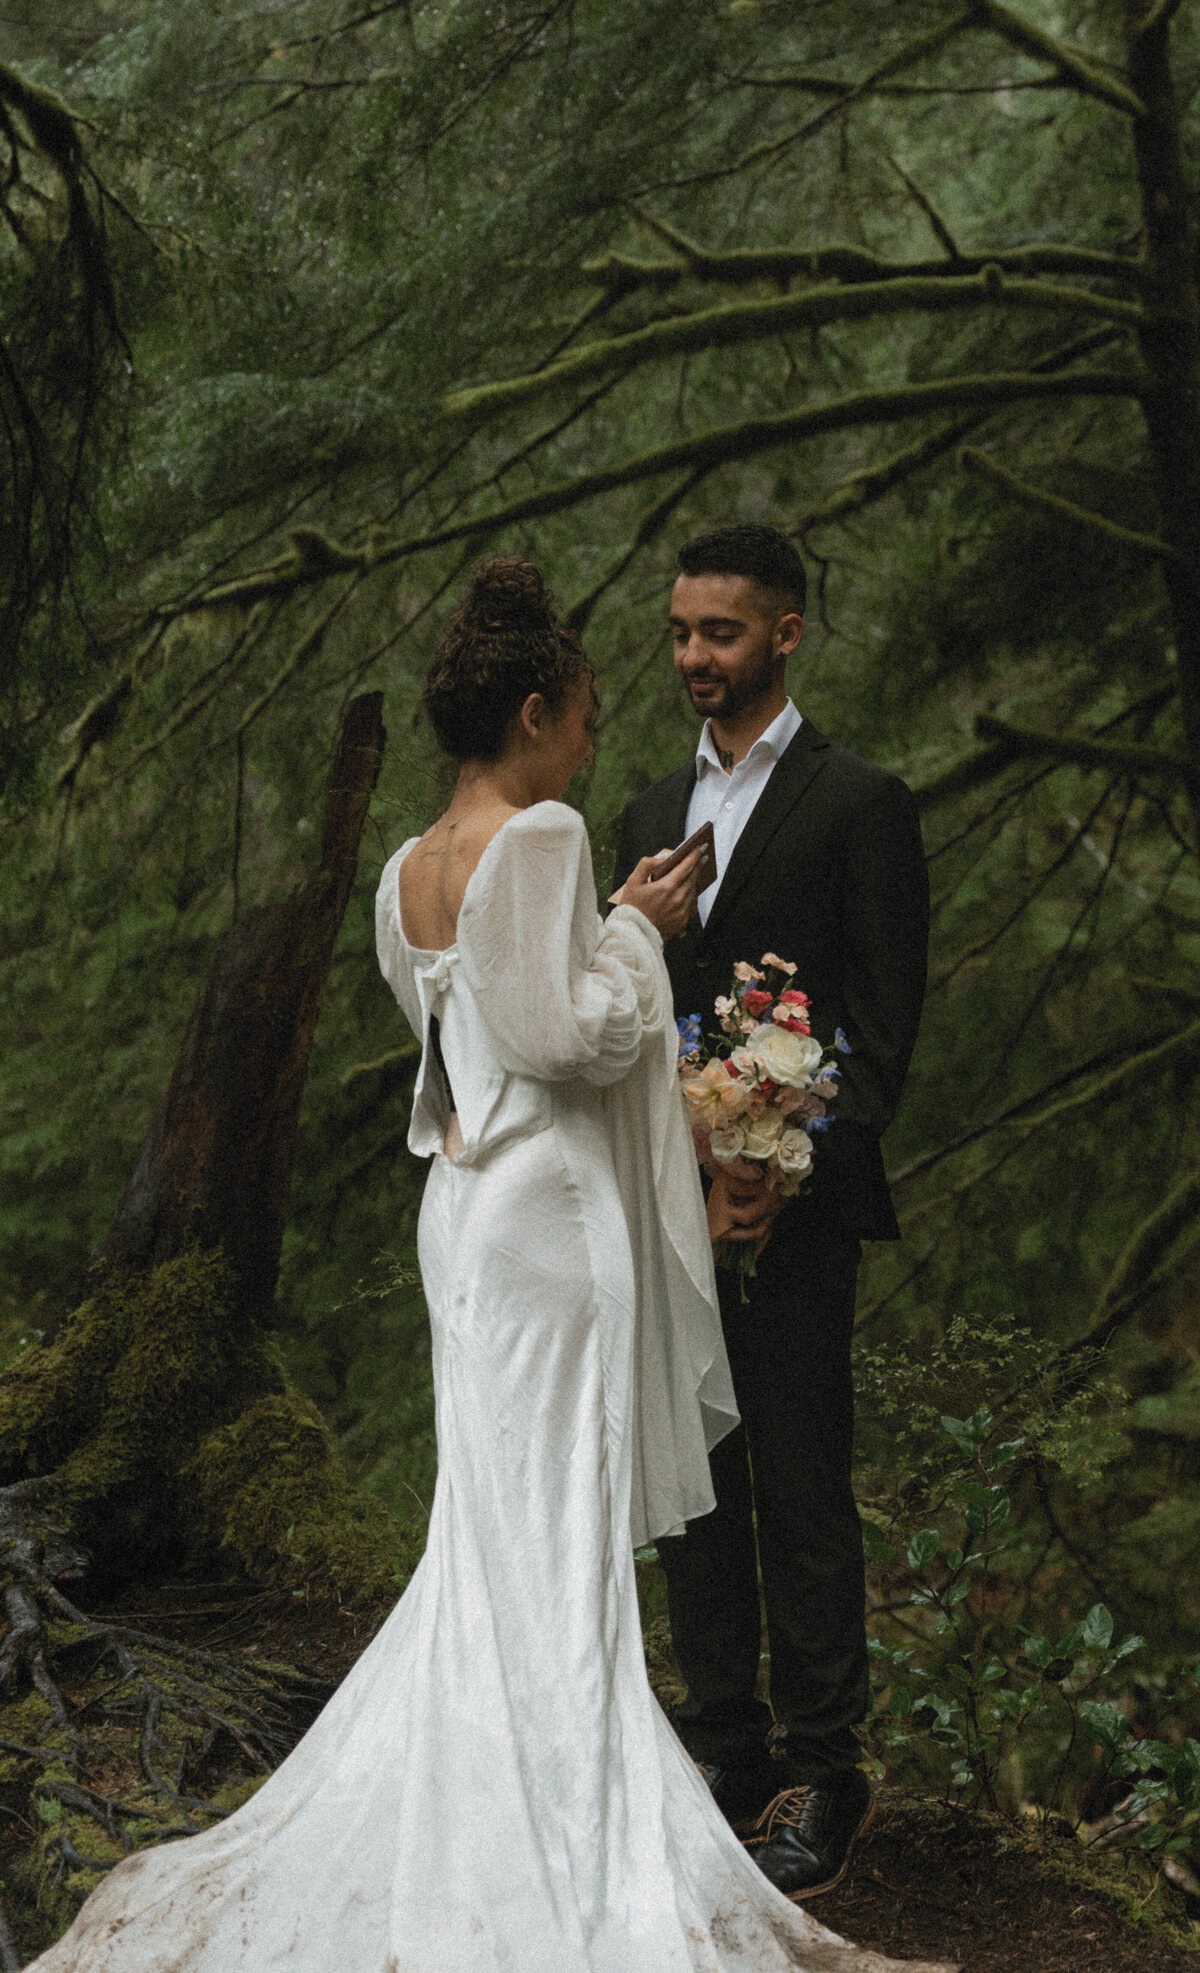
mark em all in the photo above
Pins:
pixel 728 800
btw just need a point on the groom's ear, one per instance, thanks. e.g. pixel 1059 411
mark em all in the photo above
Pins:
pixel 788 632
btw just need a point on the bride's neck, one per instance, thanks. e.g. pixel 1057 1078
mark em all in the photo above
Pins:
pixel 505 783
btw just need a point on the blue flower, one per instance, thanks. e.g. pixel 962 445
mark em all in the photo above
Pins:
pixel 841 1044
pixel 688 1026
pixel 819 1123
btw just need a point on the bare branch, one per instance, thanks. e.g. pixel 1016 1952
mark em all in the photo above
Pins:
pixel 1074 69
pixel 973 461
pixel 1128 757
pixel 733 323
pixel 913 51
pixel 941 232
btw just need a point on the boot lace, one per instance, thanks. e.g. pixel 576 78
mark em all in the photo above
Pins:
pixel 792 1808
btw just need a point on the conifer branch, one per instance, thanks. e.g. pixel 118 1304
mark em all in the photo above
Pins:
pixel 973 461
pixel 1128 756
pixel 1074 69
pixel 733 323
pixel 725 445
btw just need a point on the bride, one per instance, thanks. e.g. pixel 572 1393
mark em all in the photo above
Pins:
pixel 494 1789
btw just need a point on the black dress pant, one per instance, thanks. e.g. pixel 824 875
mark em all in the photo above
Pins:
pixel 786 1470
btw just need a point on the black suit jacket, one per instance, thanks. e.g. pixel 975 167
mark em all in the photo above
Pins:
pixel 829 871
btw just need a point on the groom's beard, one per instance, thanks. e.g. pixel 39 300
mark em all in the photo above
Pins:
pixel 732 696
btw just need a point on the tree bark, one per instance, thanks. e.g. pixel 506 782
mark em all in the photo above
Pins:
pixel 215 1169
pixel 1170 343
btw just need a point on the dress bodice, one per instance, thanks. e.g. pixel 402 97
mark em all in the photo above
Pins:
pixel 544 1010
pixel 536 989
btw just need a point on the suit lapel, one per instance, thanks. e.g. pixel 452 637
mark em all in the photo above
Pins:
pixel 791 777
pixel 676 810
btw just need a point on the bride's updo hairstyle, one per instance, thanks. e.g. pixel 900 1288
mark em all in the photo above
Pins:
pixel 506 639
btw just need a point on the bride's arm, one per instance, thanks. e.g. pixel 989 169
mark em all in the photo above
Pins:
pixel 562 995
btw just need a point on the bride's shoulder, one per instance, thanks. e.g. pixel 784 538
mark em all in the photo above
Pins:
pixel 547 822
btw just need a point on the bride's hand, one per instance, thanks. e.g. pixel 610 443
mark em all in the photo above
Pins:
pixel 670 902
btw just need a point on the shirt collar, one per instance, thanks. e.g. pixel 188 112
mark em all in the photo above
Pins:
pixel 778 736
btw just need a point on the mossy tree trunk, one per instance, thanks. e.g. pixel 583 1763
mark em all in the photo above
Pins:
pixel 157 1430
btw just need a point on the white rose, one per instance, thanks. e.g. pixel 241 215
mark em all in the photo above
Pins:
pixel 726 1145
pixel 795 1152
pixel 785 1057
pixel 762 1134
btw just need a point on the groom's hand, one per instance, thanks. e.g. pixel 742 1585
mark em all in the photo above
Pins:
pixel 742 1202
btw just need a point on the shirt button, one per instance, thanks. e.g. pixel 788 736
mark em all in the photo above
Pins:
pixel 729 804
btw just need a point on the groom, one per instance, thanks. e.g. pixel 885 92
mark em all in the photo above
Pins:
pixel 819 860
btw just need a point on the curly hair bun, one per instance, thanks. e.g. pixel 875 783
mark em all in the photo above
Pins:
pixel 507 588
pixel 506 639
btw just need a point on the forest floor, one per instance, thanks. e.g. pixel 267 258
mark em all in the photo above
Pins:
pixel 928 1881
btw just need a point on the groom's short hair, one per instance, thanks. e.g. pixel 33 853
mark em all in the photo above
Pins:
pixel 748 548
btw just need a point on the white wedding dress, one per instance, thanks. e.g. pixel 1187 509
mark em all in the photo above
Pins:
pixel 494 1788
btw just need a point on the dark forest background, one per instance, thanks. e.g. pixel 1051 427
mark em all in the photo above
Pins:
pixel 305 308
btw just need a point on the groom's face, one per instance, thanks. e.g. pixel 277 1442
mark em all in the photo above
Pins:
pixel 730 641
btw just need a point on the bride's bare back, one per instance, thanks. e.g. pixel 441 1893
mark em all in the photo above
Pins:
pixel 434 876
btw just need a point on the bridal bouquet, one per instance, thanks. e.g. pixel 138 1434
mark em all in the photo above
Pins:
pixel 761 1092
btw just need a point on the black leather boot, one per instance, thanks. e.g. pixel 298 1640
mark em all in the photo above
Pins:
pixel 743 1789
pixel 803 1839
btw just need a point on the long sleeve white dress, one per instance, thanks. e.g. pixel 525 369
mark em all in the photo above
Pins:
pixel 494 1788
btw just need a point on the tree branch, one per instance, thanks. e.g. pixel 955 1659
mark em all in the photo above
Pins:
pixel 1080 748
pixel 808 83
pixel 912 51
pixel 1158 1249
pixel 983 765
pixel 1028 1118
pixel 1158 15
pixel 651 525
pixel 750 321
pixel 971 460
pixel 1074 69
pixel 622 274
pixel 724 445
pixel 858 490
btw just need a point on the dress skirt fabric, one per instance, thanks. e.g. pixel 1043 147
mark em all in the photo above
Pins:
pixel 493 1789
